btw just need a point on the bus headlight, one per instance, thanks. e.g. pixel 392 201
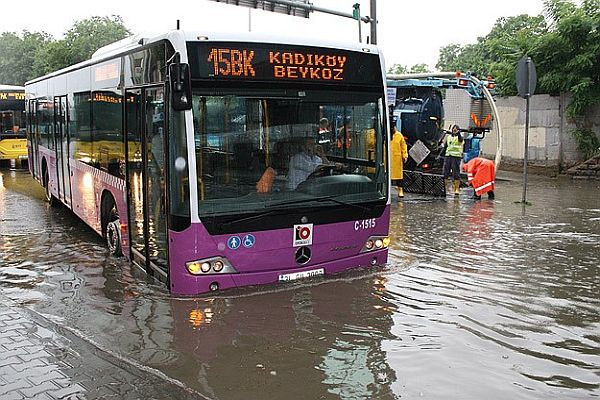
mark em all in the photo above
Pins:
pixel 210 266
pixel 376 243
pixel 205 267
pixel 218 266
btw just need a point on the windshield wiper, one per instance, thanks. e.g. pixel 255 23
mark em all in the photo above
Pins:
pixel 320 199
pixel 249 218
pixel 274 211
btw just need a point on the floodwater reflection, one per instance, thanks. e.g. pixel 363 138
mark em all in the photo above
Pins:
pixel 481 299
pixel 271 345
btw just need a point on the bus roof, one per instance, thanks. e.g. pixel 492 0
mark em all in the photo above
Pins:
pixel 11 87
pixel 179 37
pixel 279 38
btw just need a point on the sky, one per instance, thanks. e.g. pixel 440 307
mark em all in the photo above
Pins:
pixel 408 32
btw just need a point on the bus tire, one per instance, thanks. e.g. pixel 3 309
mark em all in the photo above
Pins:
pixel 111 227
pixel 113 238
pixel 52 201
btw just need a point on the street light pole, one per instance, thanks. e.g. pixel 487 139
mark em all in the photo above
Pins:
pixel 373 21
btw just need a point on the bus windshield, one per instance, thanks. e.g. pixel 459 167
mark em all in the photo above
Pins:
pixel 279 150
pixel 12 123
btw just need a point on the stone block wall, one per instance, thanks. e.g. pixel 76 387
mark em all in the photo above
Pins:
pixel 552 147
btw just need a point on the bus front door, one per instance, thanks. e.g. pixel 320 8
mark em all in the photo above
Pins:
pixel 146 174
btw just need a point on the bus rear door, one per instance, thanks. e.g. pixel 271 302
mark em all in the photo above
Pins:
pixel 62 149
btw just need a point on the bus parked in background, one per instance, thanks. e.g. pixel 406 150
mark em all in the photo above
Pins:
pixel 13 144
pixel 177 150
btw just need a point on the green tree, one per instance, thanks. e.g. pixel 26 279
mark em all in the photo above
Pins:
pixel 31 54
pixel 397 69
pixel 52 57
pixel 18 55
pixel 565 47
pixel 448 59
pixel 419 68
pixel 497 53
pixel 87 36
pixel 568 60
pixel 568 57
pixel 401 69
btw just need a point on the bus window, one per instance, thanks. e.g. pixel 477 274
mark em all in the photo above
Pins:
pixel 108 150
pixel 80 127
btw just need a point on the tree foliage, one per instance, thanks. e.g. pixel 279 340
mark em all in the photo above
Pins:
pixel 497 53
pixel 88 35
pixel 401 69
pixel 568 56
pixel 31 54
pixel 564 44
pixel 18 55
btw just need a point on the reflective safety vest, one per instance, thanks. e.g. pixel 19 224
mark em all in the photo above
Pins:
pixel 481 174
pixel 454 147
pixel 340 142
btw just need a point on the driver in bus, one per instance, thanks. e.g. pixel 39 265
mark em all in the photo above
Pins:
pixel 305 162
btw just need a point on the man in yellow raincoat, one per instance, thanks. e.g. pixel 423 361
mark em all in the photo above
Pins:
pixel 399 155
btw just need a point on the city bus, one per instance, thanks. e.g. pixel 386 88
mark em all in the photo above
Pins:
pixel 13 144
pixel 177 149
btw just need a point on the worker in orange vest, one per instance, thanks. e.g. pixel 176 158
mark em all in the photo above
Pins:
pixel 481 174
pixel 344 135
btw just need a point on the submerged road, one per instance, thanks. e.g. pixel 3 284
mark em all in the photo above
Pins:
pixel 480 300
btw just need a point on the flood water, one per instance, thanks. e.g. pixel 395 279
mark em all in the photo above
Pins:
pixel 480 300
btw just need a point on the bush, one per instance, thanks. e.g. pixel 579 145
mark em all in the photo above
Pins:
pixel 587 142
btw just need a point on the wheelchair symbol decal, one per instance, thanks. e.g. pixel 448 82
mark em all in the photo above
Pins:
pixel 248 241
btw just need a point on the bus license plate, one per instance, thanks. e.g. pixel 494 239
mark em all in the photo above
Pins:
pixel 301 275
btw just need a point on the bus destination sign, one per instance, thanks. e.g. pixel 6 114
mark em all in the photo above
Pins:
pixel 12 100
pixel 12 96
pixel 285 65
pixel 291 63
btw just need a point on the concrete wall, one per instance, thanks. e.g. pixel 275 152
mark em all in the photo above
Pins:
pixel 552 147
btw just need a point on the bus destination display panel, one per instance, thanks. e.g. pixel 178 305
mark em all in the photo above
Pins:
pixel 264 62
pixel 12 100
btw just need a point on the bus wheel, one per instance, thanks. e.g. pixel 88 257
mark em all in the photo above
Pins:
pixel 113 238
pixel 53 201
pixel 113 234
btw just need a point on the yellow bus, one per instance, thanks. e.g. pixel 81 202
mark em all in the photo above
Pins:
pixel 13 141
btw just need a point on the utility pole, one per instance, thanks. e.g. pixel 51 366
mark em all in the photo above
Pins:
pixel 373 21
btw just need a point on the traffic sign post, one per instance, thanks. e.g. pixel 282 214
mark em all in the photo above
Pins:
pixel 526 82
pixel 356 16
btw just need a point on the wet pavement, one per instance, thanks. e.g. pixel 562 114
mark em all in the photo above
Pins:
pixel 479 299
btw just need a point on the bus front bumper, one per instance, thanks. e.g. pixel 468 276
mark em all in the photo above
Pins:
pixel 193 285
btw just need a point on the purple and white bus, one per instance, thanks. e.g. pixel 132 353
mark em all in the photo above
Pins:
pixel 219 161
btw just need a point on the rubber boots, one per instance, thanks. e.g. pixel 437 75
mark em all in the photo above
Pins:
pixel 456 187
pixel 400 192
pixel 446 185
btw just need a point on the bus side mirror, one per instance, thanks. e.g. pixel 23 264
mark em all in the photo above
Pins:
pixel 181 86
